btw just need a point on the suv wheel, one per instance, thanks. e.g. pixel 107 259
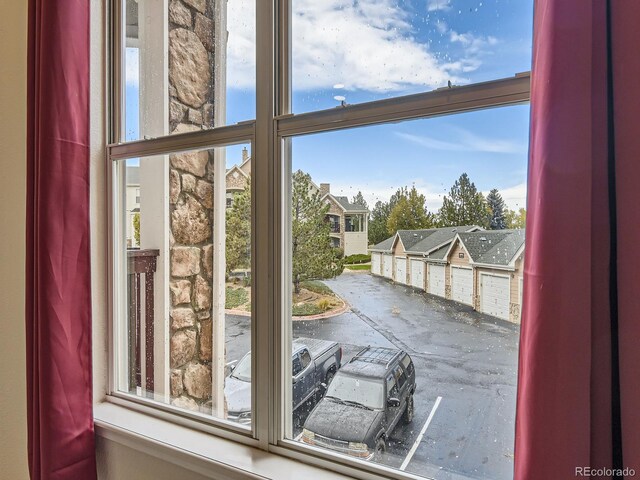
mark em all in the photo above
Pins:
pixel 330 375
pixel 407 417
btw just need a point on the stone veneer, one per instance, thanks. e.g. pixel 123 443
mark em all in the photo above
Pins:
pixel 191 94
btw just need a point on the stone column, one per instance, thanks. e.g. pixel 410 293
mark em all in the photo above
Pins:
pixel 191 175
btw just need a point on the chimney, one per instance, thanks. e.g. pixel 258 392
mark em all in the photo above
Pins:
pixel 325 188
pixel 245 154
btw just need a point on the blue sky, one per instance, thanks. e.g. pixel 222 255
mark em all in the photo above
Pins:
pixel 371 49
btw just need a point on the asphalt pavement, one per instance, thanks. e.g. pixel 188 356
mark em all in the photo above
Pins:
pixel 466 370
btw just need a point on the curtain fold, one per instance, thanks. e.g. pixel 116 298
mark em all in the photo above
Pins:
pixel 58 289
pixel 580 272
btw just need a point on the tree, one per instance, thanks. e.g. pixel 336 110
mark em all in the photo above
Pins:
pixel 312 254
pixel 516 219
pixel 359 200
pixel 464 205
pixel 238 229
pixel 409 213
pixel 496 210
pixel 136 227
pixel 380 215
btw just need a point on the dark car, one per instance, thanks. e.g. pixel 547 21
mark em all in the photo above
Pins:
pixel 365 401
pixel 314 363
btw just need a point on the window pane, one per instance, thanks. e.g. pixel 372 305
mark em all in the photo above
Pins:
pixel 368 50
pixel 184 282
pixel 188 65
pixel 412 315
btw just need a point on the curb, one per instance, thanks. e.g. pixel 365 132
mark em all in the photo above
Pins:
pixel 320 316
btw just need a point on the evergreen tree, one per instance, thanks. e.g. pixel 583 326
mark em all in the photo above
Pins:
pixel 359 200
pixel 312 254
pixel 238 230
pixel 496 210
pixel 464 205
pixel 409 213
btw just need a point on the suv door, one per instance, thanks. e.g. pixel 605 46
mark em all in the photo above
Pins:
pixel 393 413
pixel 400 391
pixel 303 377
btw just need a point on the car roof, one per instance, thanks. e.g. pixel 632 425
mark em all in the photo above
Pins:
pixel 372 362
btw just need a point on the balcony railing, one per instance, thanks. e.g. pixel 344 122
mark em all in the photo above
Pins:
pixel 141 262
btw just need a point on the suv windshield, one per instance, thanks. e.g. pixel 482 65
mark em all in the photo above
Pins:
pixel 367 392
pixel 243 369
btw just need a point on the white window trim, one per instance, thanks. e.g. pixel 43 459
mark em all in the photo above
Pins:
pixel 225 453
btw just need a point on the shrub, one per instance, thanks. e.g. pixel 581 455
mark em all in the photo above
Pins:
pixel 234 297
pixel 357 258
pixel 316 286
pixel 324 304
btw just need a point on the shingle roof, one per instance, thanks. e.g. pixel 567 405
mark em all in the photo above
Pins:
pixel 438 237
pixel 440 253
pixel 496 247
pixel 348 206
pixel 384 245
pixel 422 241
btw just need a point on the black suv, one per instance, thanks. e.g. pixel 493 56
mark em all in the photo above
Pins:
pixel 364 402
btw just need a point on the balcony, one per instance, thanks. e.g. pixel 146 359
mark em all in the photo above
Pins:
pixel 139 263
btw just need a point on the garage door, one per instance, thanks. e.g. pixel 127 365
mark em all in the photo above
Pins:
pixel 417 274
pixel 375 263
pixel 462 285
pixel 436 280
pixel 387 266
pixel 401 270
pixel 494 296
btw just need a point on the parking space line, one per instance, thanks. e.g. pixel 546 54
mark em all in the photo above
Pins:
pixel 422 432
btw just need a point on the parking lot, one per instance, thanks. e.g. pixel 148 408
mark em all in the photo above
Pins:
pixel 466 370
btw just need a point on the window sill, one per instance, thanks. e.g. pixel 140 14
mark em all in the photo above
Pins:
pixel 202 453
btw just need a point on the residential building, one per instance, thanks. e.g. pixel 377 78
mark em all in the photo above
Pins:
pixel 132 203
pixel 475 267
pixel 349 221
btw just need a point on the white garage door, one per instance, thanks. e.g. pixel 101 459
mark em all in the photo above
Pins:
pixel 436 280
pixel 494 297
pixel 375 263
pixel 387 266
pixel 401 270
pixel 462 285
pixel 417 274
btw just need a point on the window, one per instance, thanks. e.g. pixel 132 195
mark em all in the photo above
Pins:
pixel 267 187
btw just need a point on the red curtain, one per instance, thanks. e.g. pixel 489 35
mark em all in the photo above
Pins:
pixel 578 392
pixel 58 289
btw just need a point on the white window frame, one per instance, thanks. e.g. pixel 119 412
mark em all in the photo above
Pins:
pixel 269 135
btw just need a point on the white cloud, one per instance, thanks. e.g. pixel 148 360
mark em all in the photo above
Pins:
pixel 435 5
pixel 515 197
pixel 366 45
pixel 463 140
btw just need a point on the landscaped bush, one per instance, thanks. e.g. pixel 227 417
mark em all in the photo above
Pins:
pixel 234 297
pixel 316 286
pixel 357 258
pixel 305 309
pixel 324 304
